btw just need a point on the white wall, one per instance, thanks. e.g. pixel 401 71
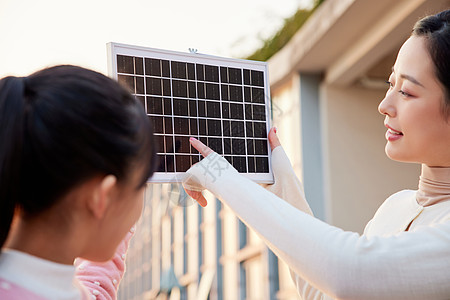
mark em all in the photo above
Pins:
pixel 286 117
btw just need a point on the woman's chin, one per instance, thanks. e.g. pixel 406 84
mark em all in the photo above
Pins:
pixel 401 156
pixel 395 154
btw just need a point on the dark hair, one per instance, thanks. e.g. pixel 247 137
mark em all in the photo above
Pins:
pixel 61 126
pixel 436 30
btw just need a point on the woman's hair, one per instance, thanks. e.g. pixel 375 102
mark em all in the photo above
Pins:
pixel 436 30
pixel 61 126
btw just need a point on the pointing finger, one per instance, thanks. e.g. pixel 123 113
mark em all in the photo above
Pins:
pixel 202 148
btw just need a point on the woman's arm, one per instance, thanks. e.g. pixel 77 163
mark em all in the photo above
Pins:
pixel 288 187
pixel 411 265
pixel 286 184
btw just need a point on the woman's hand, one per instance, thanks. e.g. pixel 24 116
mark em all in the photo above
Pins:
pixel 205 151
pixel 273 138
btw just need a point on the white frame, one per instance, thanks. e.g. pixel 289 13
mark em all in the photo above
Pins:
pixel 114 49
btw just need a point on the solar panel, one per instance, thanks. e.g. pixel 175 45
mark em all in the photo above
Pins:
pixel 223 102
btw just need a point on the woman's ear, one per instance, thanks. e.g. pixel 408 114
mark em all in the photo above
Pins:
pixel 102 196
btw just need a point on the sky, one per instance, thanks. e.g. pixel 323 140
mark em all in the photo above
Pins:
pixel 39 33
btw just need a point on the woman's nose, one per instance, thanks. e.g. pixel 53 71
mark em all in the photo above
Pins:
pixel 386 106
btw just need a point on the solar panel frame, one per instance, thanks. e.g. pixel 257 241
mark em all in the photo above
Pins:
pixel 224 102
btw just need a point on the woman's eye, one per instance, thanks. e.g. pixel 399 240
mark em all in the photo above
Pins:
pixel 389 83
pixel 404 93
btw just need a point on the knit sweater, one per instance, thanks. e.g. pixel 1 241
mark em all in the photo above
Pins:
pixel 386 262
pixel 23 276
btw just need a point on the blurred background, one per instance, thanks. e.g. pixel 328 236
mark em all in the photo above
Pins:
pixel 328 62
pixel 36 34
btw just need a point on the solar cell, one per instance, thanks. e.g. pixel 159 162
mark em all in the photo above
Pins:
pixel 222 102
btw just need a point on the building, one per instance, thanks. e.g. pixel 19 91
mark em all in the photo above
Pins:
pixel 326 84
pixel 195 253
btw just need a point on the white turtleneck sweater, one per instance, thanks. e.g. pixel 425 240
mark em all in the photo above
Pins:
pixel 386 262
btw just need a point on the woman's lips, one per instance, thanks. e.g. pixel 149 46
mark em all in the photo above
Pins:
pixel 392 134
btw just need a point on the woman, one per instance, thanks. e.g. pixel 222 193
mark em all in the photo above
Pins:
pixel 404 252
pixel 76 150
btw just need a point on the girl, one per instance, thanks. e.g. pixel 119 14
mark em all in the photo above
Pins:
pixel 76 150
pixel 404 252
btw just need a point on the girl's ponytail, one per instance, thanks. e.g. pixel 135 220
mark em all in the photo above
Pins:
pixel 61 126
pixel 12 124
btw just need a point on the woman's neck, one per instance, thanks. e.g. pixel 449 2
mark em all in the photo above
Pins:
pixel 434 185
